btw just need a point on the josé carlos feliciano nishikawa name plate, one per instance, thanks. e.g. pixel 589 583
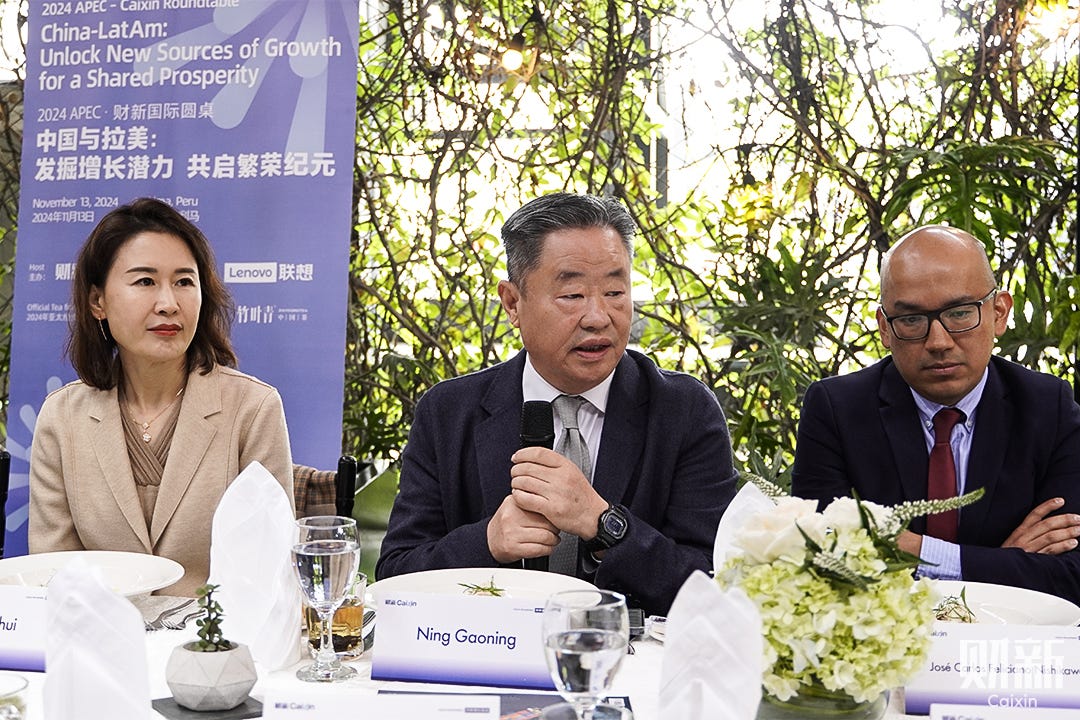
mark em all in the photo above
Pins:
pixel 999 666
pixel 460 639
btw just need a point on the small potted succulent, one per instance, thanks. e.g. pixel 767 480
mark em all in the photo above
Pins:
pixel 210 673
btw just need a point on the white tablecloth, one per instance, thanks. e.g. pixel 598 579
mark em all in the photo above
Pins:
pixel 637 678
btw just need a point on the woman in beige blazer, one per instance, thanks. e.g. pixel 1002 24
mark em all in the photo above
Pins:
pixel 137 453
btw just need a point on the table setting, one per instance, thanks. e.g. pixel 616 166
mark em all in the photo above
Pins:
pixel 641 676
pixel 638 678
pixel 520 643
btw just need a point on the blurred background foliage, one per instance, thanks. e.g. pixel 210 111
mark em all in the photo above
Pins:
pixel 770 151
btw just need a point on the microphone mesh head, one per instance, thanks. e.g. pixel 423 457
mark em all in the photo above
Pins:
pixel 537 424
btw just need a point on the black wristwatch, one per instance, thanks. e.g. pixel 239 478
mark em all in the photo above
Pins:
pixel 611 528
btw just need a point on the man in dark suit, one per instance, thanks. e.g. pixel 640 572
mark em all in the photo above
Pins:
pixel 640 512
pixel 1018 435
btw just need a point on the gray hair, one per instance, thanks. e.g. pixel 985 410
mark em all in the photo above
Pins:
pixel 525 230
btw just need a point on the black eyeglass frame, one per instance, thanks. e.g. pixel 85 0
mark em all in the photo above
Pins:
pixel 936 315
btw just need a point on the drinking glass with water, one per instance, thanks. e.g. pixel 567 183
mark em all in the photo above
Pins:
pixel 585 635
pixel 326 559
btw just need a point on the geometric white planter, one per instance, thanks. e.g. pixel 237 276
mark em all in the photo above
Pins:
pixel 206 681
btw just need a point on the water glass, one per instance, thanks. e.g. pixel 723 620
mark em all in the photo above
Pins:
pixel 326 560
pixel 12 696
pixel 585 633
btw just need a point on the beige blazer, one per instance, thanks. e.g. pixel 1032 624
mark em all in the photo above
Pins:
pixel 82 492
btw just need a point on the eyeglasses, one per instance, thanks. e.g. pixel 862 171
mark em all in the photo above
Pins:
pixel 954 318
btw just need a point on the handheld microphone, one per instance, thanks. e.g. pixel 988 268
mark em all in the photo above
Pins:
pixel 537 430
pixel 537 424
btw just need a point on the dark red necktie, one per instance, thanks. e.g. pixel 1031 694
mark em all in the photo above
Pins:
pixel 941 476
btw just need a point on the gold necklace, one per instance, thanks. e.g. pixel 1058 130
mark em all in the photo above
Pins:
pixel 146 425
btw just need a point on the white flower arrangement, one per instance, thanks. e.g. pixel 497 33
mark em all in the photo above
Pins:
pixel 840 608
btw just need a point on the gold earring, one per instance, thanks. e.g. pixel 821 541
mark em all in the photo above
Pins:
pixel 101 326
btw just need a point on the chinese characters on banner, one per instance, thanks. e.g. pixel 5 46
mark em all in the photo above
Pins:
pixel 241 114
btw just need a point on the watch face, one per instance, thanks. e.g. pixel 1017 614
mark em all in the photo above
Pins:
pixel 611 528
pixel 614 524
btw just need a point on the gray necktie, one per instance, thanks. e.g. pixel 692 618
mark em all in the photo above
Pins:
pixel 572 446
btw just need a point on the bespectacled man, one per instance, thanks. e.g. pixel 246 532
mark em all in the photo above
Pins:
pixel 1016 433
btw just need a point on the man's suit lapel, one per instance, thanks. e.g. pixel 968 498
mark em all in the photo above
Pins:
pixel 498 436
pixel 194 433
pixel 110 449
pixel 624 432
pixel 993 418
pixel 900 419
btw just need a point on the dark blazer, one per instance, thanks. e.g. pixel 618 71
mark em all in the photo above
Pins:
pixel 861 432
pixel 665 454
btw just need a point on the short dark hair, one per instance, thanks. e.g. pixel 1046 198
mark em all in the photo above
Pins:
pixel 90 346
pixel 524 232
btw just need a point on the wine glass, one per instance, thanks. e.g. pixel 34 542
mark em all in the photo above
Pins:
pixel 326 560
pixel 585 637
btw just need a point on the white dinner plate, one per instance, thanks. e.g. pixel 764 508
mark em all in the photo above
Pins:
pixel 513 582
pixel 125 573
pixel 1007 605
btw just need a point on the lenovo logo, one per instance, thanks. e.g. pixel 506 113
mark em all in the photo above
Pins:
pixel 256 272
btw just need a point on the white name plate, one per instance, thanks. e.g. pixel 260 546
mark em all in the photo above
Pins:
pixel 22 628
pixel 999 666
pixel 460 639
pixel 310 704
pixel 980 712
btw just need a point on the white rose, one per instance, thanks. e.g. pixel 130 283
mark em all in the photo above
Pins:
pixel 773 534
pixel 843 514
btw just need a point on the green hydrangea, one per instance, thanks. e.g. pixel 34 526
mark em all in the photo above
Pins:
pixel 839 605
pixel 822 631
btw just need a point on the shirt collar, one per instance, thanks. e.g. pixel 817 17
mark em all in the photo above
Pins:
pixel 535 387
pixel 928 408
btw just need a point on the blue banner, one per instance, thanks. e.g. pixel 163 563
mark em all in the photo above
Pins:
pixel 239 113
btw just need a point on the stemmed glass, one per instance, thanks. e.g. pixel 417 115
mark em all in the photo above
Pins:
pixel 326 559
pixel 585 637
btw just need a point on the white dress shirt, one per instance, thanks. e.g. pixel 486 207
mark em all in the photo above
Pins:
pixel 590 416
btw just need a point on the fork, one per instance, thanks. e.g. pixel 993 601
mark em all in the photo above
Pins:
pixel 170 623
pixel 159 622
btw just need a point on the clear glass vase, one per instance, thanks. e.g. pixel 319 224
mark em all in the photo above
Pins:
pixel 817 702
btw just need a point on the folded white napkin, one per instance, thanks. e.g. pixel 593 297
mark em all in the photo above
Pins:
pixel 253 533
pixel 712 654
pixel 747 502
pixel 95 650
